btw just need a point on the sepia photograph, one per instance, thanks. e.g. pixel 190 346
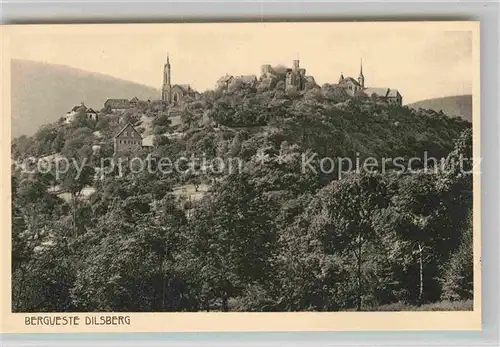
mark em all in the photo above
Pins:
pixel 243 167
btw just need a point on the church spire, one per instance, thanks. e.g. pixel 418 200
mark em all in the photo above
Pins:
pixel 165 95
pixel 361 78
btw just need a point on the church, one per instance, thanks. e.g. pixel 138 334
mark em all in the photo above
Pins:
pixel 356 87
pixel 175 94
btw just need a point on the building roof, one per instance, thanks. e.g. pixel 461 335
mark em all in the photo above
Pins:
pixel 186 88
pixel 90 110
pixel 117 100
pixel 125 127
pixel 382 92
pixel 377 91
pixel 77 107
pixel 117 103
pixel 310 79
pixel 350 79
pixel 225 78
pixel 393 93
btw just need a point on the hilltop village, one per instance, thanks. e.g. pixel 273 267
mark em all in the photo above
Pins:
pixel 174 96
pixel 175 107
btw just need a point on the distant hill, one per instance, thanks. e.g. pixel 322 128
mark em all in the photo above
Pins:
pixel 453 106
pixel 42 93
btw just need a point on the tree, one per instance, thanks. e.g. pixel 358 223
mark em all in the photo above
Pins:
pixel 334 93
pixel 73 181
pixel 40 262
pixel 231 236
pixel 353 202
pixel 458 278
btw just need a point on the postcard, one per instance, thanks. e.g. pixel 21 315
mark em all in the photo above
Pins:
pixel 241 177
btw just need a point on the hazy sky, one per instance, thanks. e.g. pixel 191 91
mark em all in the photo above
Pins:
pixel 421 60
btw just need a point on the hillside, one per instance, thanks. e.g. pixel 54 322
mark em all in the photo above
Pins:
pixel 453 106
pixel 42 93
pixel 255 234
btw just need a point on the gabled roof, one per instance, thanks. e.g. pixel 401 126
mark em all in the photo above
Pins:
pixel 90 110
pixel 350 79
pixel 310 79
pixel 382 92
pixel 117 100
pixel 77 107
pixel 393 93
pixel 117 103
pixel 134 99
pixel 225 78
pixel 125 127
pixel 377 91
pixel 186 88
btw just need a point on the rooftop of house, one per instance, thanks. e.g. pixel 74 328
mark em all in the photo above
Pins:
pixel 125 127
pixel 393 93
pixel 350 79
pixel 225 78
pixel 186 88
pixel 383 92
pixel 78 107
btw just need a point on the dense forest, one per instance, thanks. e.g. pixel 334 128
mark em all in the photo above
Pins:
pixel 269 237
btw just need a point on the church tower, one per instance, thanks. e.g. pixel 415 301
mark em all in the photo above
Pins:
pixel 361 78
pixel 166 88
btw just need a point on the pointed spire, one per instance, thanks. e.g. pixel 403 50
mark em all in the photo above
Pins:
pixel 361 78
pixel 168 60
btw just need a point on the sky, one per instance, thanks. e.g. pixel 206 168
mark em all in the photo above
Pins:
pixel 421 59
